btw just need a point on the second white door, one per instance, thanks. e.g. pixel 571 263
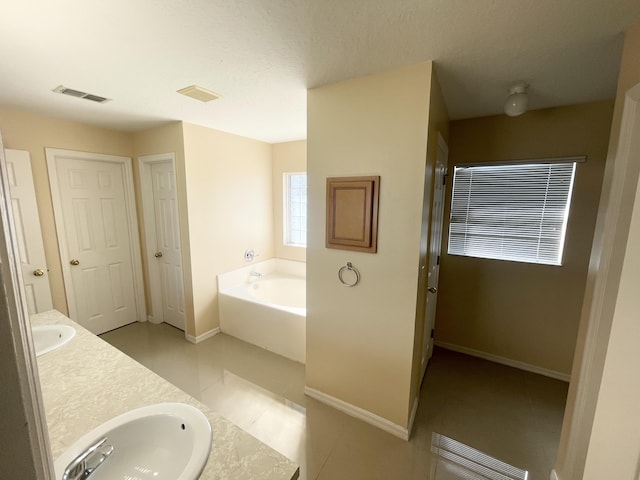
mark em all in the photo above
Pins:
pixel 97 236
pixel 163 239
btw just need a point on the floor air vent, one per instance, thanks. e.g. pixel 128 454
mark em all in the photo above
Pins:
pixel 78 94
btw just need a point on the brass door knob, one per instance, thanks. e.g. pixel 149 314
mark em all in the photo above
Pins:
pixel 75 261
pixel 158 254
pixel 38 272
pixel 433 290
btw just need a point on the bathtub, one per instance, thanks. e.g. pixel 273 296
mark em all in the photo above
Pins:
pixel 268 311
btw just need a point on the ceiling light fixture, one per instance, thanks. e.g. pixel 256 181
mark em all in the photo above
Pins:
pixel 517 101
pixel 199 93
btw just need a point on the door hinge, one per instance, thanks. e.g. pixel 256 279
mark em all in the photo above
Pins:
pixel 444 179
pixel 438 260
pixel 432 332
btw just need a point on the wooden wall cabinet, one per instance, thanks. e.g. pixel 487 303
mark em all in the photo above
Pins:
pixel 352 213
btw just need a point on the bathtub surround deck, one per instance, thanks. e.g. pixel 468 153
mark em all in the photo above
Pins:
pixel 87 382
pixel 242 275
pixel 264 304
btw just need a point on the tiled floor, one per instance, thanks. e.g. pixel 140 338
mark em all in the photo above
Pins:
pixel 512 415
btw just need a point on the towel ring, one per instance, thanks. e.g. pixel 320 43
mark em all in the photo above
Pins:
pixel 349 266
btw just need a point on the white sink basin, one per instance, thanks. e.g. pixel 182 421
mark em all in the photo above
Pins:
pixel 50 337
pixel 165 441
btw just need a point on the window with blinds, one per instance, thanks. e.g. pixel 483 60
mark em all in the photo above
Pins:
pixel 514 212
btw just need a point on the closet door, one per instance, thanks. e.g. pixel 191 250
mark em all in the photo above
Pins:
pixel 29 234
pixel 98 237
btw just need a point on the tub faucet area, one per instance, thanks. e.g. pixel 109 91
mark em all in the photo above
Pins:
pixel 265 305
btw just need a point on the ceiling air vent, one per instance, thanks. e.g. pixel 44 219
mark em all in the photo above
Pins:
pixel 199 93
pixel 78 94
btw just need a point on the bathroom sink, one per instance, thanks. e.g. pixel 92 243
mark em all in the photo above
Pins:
pixel 50 337
pixel 164 441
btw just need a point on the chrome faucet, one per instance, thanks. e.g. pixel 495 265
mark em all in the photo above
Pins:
pixel 88 461
pixel 253 273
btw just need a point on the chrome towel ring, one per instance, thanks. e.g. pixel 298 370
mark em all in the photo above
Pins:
pixel 349 266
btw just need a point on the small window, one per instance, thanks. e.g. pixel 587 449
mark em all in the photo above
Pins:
pixel 295 209
pixel 514 212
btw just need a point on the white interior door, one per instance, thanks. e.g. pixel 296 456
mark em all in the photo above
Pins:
pixel 435 247
pixel 167 252
pixel 29 234
pixel 93 201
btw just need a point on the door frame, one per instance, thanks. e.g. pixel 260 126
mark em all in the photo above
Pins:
pixel 605 269
pixel 17 345
pixel 442 144
pixel 145 162
pixel 132 219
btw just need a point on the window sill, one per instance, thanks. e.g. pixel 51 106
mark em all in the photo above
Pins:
pixel 294 245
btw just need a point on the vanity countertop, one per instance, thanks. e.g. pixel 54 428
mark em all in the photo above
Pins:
pixel 87 382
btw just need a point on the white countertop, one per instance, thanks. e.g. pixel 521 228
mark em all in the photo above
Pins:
pixel 87 382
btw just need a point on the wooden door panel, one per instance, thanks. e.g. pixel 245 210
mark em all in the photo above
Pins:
pixel 97 235
pixel 117 274
pixel 32 299
pixel 435 246
pixel 18 215
pixel 83 240
pixel 29 235
pixel 109 224
pixel 168 243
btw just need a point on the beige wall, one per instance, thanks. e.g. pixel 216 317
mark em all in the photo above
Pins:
pixel 224 189
pixel 167 139
pixel 438 124
pixel 289 157
pixel 360 340
pixel 229 203
pixel 588 405
pixel 520 311
pixel 26 131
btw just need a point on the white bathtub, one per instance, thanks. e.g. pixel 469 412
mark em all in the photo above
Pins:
pixel 269 311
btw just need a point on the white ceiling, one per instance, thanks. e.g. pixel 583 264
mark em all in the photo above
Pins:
pixel 262 55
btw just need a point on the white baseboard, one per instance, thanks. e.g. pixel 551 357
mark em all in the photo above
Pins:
pixel 554 475
pixel 204 336
pixel 505 361
pixel 359 413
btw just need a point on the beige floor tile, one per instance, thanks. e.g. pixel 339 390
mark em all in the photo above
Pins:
pixel 282 426
pixel 238 400
pixel 512 415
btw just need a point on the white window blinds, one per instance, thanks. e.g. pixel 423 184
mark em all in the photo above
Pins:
pixel 512 212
